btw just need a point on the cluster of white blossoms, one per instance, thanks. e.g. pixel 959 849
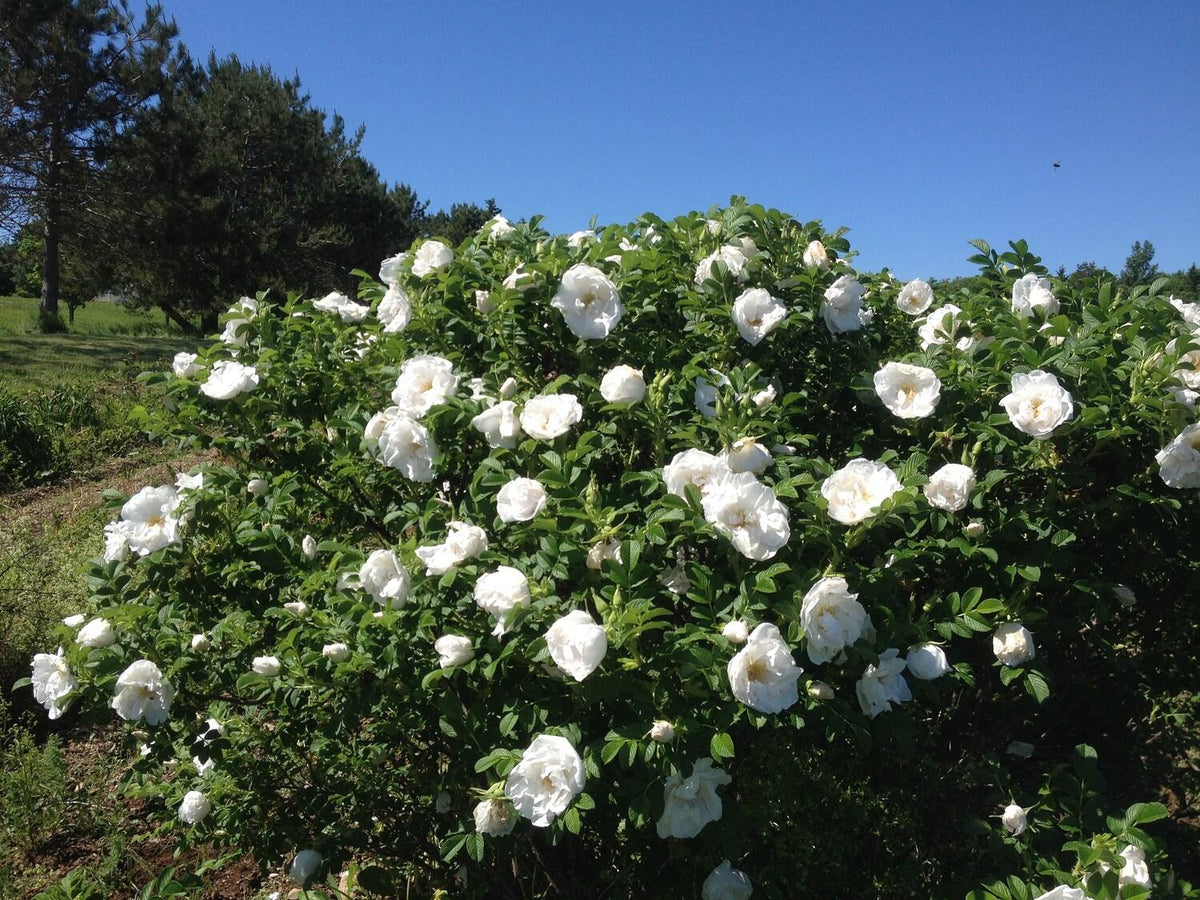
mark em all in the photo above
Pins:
pixel 150 519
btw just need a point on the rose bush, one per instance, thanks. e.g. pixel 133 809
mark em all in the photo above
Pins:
pixel 416 606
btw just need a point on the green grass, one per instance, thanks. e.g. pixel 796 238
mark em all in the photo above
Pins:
pixel 18 315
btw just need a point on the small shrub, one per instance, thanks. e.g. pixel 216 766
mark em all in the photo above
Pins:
pixel 28 452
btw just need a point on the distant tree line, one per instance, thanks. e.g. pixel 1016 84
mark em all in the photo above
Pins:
pixel 127 166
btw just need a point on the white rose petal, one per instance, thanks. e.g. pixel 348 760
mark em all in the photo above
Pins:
pixel 342 306
pixel 691 803
pixel 495 817
pixel 1031 294
pixel 763 674
pixel 74 621
pixel 454 650
pixel 200 642
pixel 1013 644
pixel 550 416
pixel 697 468
pixel 909 392
pixel 431 256
pixel 624 385
pixel 403 444
pixel 816 256
pixel 257 486
pixel 424 382
pixel 726 883
pixel 335 652
pixel 915 297
pixel 736 631
pixel 184 364
pixel 520 500
pixel 297 608
pixel 579 238
pixel 855 491
pixel 749 514
pixel 227 379
pixel 577 644
pixel 143 693
pixel 939 326
pixel 499 425
pixel 498 228
pixel 1013 818
pixel 732 257
pixel 52 681
pixel 589 302
pixel 503 594
pixel 548 777
pixel 832 618
pixel 883 685
pixel 98 633
pixel 463 542
pixel 662 731
pixel 950 487
pixel 266 665
pixel 842 308
pixel 756 313
pixel 1179 461
pixel 1037 404
pixel 1062 892
pixel 389 269
pixel 520 280
pixel 385 578
pixel 927 661
pixel 707 392
pixel 395 309
pixel 194 809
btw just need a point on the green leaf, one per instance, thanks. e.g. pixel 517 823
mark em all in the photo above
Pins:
pixel 721 746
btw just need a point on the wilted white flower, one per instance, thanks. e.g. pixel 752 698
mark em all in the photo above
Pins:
pixel 927 661
pixel 74 621
pixel 883 684
pixel 116 541
pixel 384 578
pixel 764 397
pixel 520 500
pixel 552 415
pixel 97 634
pixel 974 529
pixel 52 681
pixel 395 309
pixel 816 256
pixel 736 631
pixel 1037 404
pixel 749 514
pixel 589 302
pixel 495 817
pixel 1031 294
pixel 726 883
pixel 662 731
pixel 143 693
pixel 842 308
pixel 939 326
pixel 756 313
pixel 424 382
pixel 832 618
pixel 747 455
pixel 266 665
pixel 1013 644
pixel 463 542
pixel 1179 461
pixel 577 644
pixel 707 392
pixel 1013 819
pixel 454 650
pixel 297 608
pixel 389 269
pixel 499 425
pixel 502 593
pixel 602 550
pixel 915 297
pixel 763 674
pixel 950 487
pixel 520 280
pixel 200 642
pixel 308 546
pixel 579 238
pixel 257 486
pixel 909 392
pixel 304 866
pixel 430 257
pixel 194 809
pixel 342 306
pixel 691 803
pixel 855 491
pixel 403 443
pixel 184 364
pixel 548 777
pixel 1124 595
pixel 733 258
pixel 335 652
pixel 623 384
pixel 227 379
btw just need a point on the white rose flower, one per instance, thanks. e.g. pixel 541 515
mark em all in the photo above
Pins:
pixel 733 258
pixel 184 365
pixel 1135 871
pixel 499 425
pixel 520 500
pixel 579 238
pixel 816 256
pixel 1186 396
pixel 75 620
pixel 497 228
pixel 343 307
pixel 974 529
pixel 495 817
pixel 304 866
pixel 1014 820
pixel 424 382
pixel 335 652
pixel 577 644
pixel 384 578
pixel 1013 644
pixel 548 777
pixel 749 514
pixel 308 546
pixel 463 542
pixel 550 416
pixel 268 666
pixel 1189 311
pixel 389 269
pixel 520 280
pixel 763 674
pixel 950 487
pixel 484 303
pixel 194 809
pixel 1179 461
pixel 842 308
pixel 662 731
pixel 589 302
pixel 765 397
pixel 1037 404
pixel 1062 892
pixel 52 681
pixel 695 467
pixel 939 326
pixel 1189 373
pixel 185 482
pixel 707 392
pixel 736 631
pixel 915 297
pixel 756 313
pixel 747 455
pixel 116 541
pixel 1031 294
pixel 691 803
pixel 97 634
pixel 200 642
pixel 602 550
pixel 403 444
pixel 855 491
pixel 431 256
pixel 1124 595
pixel 832 618
pixel 624 385
pixel 508 388
pixel 143 693
pixel 909 392
pixel 148 520
pixel 454 650
pixel 726 883
pixel 297 608
pixel 927 661
pixel 503 594
pixel 257 486
pixel 883 684
pixel 227 379
pixel 395 309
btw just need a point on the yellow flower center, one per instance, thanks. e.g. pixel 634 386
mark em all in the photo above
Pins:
pixel 155 520
pixel 757 671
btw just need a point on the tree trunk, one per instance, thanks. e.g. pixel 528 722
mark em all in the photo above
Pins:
pixel 178 318
pixel 52 227
pixel 209 322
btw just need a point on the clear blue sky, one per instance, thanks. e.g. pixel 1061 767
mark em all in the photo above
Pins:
pixel 918 125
